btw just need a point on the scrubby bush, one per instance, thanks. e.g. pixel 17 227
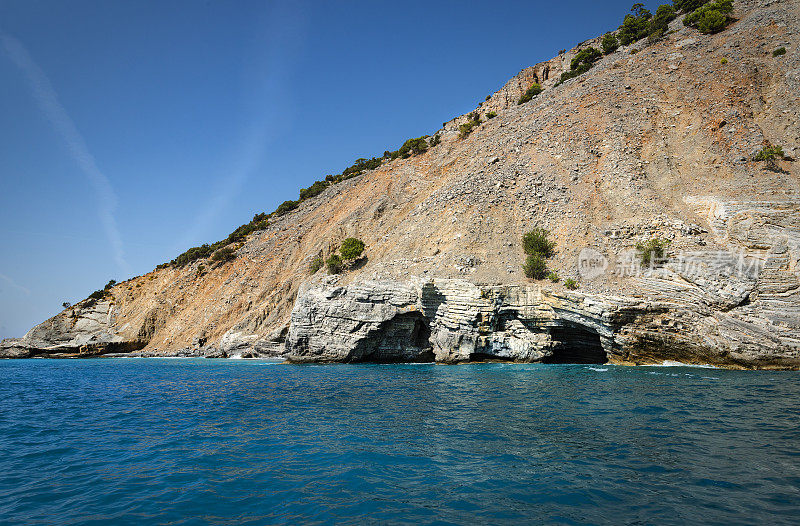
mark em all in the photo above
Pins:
pixel 286 207
pixel 635 25
pixel 537 247
pixel 723 61
pixel 110 284
pixel 413 147
pixel 653 252
pixel 334 264
pixel 687 6
pixel 581 63
pixel 316 264
pixel 610 43
pixel 778 52
pixel 552 276
pixel 659 25
pixel 465 129
pixel 435 140
pixel 535 267
pixel 491 114
pixel 314 190
pixel 536 242
pixel 571 284
pixel 66 304
pixel 769 153
pixel 531 92
pixel 223 255
pixel 351 248
pixel 711 17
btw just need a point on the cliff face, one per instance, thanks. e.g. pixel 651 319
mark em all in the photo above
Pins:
pixel 654 144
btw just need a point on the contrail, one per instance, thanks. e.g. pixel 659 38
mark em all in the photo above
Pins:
pixel 282 37
pixel 47 99
pixel 15 284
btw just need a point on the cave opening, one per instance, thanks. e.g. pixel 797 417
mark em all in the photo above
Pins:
pixel 573 343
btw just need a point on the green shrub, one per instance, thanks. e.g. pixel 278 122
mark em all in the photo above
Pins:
pixel 666 12
pixel 635 26
pixel 769 153
pixel 653 252
pixel 465 129
pixel 110 284
pixel 552 276
pixel 687 6
pixel 351 248
pixel 570 284
pixel 435 140
pixel 413 147
pixel 609 43
pixel 535 267
pixel 723 61
pixel 316 264
pixel 581 63
pixel 536 242
pixel 334 263
pixel 711 17
pixel 223 255
pixel 286 207
pixel 314 190
pixel 778 52
pixel 491 114
pixel 532 92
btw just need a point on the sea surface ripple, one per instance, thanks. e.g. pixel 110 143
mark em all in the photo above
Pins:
pixel 184 441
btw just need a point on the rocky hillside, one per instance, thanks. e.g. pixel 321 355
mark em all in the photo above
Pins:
pixel 656 141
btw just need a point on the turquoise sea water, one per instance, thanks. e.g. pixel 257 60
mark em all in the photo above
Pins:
pixel 151 441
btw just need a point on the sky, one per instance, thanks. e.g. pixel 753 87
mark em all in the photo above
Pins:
pixel 131 131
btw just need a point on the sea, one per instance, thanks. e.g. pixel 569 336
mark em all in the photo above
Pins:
pixel 223 442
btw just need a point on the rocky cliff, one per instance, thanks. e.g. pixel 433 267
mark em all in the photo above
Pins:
pixel 660 143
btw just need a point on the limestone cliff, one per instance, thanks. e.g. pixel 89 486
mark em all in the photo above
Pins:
pixel 659 143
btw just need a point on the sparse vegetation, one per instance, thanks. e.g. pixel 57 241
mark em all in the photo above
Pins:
pixel 66 304
pixel 571 284
pixel 351 248
pixel 535 267
pixel 435 140
pixel 769 154
pixel 536 242
pixel 491 114
pixel 537 248
pixel 334 264
pixel 723 61
pixel 711 17
pixel 635 26
pixel 552 276
pixel 474 120
pixel 659 25
pixel 610 43
pixel 653 252
pixel 581 63
pixel 286 207
pixel 223 255
pixel 778 52
pixel 316 264
pixel 532 92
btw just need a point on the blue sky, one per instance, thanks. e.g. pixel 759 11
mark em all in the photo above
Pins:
pixel 130 131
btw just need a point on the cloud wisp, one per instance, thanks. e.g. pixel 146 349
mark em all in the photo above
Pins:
pixel 48 102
